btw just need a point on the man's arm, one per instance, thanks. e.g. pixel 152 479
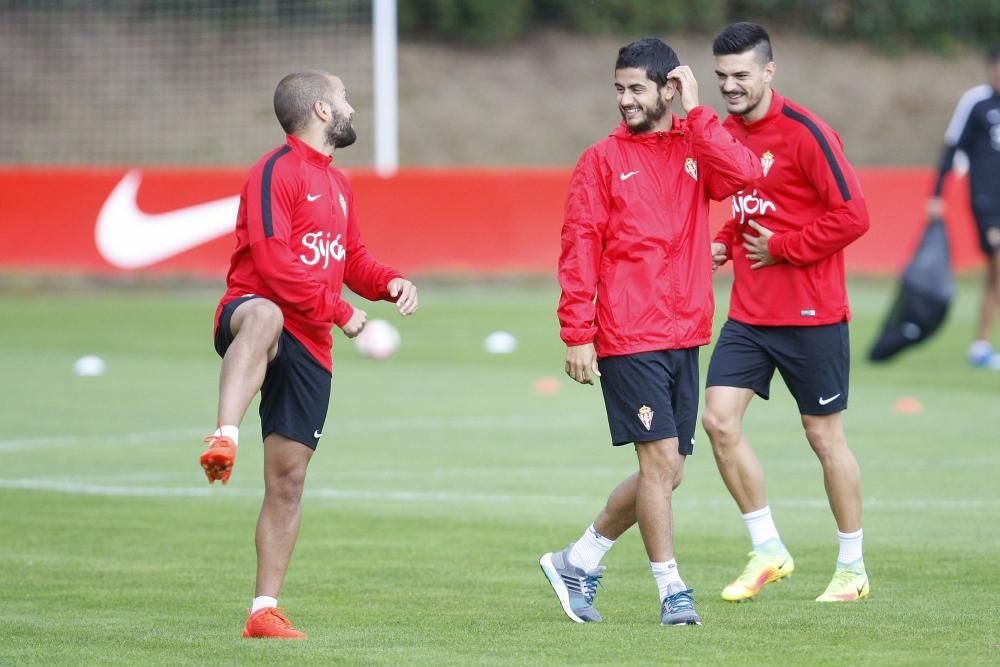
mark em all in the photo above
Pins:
pixel 726 163
pixel 821 157
pixel 586 215
pixel 956 138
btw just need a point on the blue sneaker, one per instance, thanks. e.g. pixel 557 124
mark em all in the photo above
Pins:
pixel 574 586
pixel 981 354
pixel 678 609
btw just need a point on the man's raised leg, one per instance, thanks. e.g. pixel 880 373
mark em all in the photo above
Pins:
pixel 255 326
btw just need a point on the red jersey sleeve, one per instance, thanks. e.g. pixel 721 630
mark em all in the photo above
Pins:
pixel 363 274
pixel 586 215
pixel 270 204
pixel 821 156
pixel 727 164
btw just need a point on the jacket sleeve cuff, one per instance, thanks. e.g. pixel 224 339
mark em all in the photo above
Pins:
pixel 775 246
pixel 577 336
pixel 342 313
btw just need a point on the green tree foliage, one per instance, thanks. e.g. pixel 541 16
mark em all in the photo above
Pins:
pixel 888 24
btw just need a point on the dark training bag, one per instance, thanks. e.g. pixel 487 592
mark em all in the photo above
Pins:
pixel 926 288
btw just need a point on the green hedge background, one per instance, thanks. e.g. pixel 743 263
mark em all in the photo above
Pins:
pixel 937 25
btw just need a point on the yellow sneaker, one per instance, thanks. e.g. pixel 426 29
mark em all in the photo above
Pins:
pixel 765 566
pixel 849 584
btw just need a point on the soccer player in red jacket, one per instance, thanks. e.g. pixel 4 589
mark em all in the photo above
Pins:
pixel 789 308
pixel 637 304
pixel 297 243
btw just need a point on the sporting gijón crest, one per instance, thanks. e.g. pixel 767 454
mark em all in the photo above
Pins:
pixel 646 416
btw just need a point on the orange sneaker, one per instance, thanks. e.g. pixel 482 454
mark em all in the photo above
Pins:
pixel 218 459
pixel 270 623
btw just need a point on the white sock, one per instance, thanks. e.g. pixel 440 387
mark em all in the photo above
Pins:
pixel 588 551
pixel 850 547
pixel 262 602
pixel 761 526
pixel 231 432
pixel 668 579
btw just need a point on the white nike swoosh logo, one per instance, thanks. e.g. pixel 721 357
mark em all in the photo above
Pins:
pixel 824 401
pixel 313 197
pixel 317 435
pixel 629 175
pixel 131 239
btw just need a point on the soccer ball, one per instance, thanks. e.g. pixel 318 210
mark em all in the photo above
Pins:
pixel 378 340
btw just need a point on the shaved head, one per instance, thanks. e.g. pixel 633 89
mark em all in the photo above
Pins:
pixel 295 96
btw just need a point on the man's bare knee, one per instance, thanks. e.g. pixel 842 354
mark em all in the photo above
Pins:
pixel 723 430
pixel 659 462
pixel 258 318
pixel 285 489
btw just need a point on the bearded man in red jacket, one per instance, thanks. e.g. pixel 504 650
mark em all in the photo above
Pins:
pixel 636 305
pixel 297 244
pixel 789 309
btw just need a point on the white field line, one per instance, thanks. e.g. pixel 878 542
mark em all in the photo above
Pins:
pixel 63 441
pixel 334 427
pixel 109 490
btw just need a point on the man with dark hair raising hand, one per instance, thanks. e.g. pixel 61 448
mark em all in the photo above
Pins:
pixel 637 304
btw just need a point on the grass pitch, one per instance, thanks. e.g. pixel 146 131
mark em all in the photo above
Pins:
pixel 442 476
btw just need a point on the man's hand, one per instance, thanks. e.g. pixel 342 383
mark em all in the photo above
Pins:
pixel 687 86
pixel 407 293
pixel 581 361
pixel 718 255
pixel 757 246
pixel 355 324
pixel 935 207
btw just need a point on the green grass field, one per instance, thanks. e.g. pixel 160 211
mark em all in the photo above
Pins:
pixel 442 477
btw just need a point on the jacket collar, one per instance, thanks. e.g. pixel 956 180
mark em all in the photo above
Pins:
pixel 777 104
pixel 622 131
pixel 308 153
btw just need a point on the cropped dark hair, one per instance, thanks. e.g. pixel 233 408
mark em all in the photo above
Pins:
pixel 993 55
pixel 742 37
pixel 295 95
pixel 650 54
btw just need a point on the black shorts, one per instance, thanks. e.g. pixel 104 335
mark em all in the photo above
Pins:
pixel 988 225
pixel 815 362
pixel 652 396
pixel 295 395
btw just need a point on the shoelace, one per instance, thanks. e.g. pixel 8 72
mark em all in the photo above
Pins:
pixel 680 601
pixel 588 586
pixel 273 617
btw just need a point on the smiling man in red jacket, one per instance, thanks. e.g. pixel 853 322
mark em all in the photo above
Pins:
pixel 789 307
pixel 636 305
pixel 297 243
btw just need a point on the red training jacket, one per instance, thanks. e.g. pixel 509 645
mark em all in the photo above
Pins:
pixel 810 198
pixel 636 236
pixel 297 243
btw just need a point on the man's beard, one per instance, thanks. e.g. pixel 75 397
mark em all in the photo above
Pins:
pixel 339 132
pixel 650 118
